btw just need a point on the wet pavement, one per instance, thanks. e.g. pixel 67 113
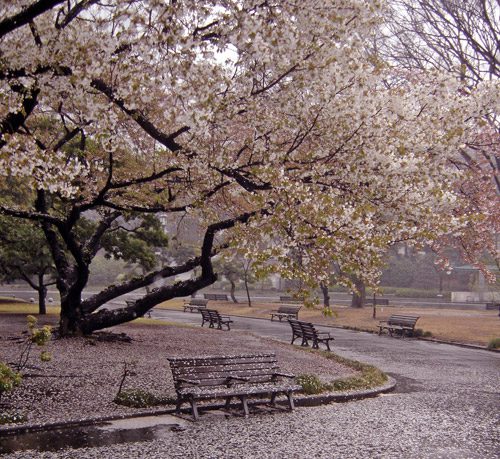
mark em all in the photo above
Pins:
pixel 107 433
pixel 446 405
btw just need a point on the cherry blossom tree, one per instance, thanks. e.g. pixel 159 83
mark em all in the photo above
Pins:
pixel 261 120
pixel 463 39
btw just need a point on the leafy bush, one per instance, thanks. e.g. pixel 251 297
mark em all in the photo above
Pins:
pixel 38 336
pixel 8 378
pixel 494 343
pixel 138 398
pixel 311 384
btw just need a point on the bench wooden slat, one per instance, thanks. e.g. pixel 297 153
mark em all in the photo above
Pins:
pixel 216 296
pixel 378 301
pixel 290 299
pixel 221 368
pixel 286 312
pixel 195 304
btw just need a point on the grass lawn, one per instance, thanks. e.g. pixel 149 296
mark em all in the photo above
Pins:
pixel 465 326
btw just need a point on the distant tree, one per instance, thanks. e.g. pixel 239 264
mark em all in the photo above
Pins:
pixel 461 38
pixel 24 254
pixel 236 269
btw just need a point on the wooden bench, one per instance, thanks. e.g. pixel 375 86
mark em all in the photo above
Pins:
pixel 216 296
pixel 213 318
pixel 286 312
pixel 290 299
pixel 378 301
pixel 228 377
pixel 307 331
pixel 402 324
pixel 195 304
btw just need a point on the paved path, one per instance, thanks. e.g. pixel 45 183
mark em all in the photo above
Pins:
pixel 446 405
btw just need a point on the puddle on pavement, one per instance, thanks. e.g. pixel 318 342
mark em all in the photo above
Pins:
pixel 121 431
pixel 405 385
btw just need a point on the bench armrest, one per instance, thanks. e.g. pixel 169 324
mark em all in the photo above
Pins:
pixel 284 375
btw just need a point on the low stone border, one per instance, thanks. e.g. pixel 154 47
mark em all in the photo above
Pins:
pixel 301 400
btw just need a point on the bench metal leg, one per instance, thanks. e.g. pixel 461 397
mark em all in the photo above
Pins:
pixel 228 401
pixel 273 399
pixel 178 405
pixel 289 395
pixel 243 399
pixel 194 410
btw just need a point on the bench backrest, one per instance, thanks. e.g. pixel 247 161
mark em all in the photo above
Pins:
pixel 214 314
pixel 289 309
pixel 399 319
pixel 308 330
pixel 301 328
pixel 197 302
pixel 296 328
pixel 290 299
pixel 216 296
pixel 216 370
pixel 380 301
pixel 205 314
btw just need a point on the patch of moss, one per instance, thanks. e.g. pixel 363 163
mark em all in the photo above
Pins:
pixel 11 418
pixel 138 398
pixel 368 378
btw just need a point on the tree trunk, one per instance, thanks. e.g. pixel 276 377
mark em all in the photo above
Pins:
pixel 248 291
pixel 359 294
pixel 326 296
pixel 233 288
pixel 42 295
pixel 71 319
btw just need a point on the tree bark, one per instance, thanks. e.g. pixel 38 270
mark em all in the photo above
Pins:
pixel 359 294
pixel 233 288
pixel 42 295
pixel 326 296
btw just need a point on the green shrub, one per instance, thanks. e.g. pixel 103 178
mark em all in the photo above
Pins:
pixel 138 398
pixel 8 378
pixel 311 384
pixel 494 343
pixel 11 418
pixel 369 376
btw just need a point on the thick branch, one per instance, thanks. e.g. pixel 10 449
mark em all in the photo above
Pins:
pixel 167 140
pixel 26 15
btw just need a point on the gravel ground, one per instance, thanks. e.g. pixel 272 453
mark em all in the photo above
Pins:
pixel 445 406
pixel 82 379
